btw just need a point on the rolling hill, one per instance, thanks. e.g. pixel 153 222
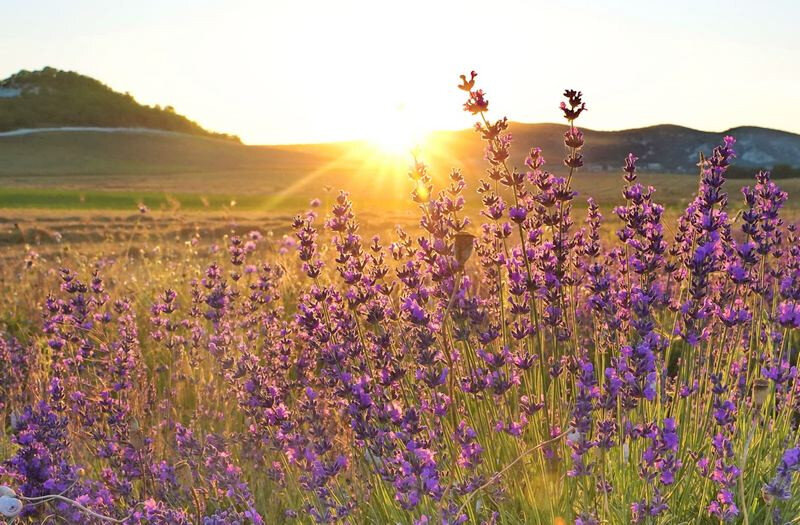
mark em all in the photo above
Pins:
pixel 663 148
pixel 51 98
pixel 62 130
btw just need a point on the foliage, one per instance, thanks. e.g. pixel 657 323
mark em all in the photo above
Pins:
pixel 54 98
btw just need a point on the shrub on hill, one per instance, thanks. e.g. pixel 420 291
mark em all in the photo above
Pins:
pixel 55 98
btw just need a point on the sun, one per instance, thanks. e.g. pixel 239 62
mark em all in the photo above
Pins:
pixel 397 142
pixel 398 135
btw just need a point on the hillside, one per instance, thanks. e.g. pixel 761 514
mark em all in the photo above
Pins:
pixel 56 122
pixel 51 98
pixel 663 148
pixel 183 162
pixel 131 152
pixel 63 130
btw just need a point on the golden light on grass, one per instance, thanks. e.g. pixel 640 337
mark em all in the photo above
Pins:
pixel 378 165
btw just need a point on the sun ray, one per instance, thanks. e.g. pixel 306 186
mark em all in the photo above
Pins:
pixel 376 166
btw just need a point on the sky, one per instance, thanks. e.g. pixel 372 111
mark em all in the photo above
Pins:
pixel 298 71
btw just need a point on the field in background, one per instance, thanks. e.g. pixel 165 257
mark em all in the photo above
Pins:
pixel 255 192
pixel 86 187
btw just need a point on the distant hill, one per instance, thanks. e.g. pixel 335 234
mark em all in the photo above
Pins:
pixel 51 98
pixel 125 151
pixel 663 148
pixel 118 151
pixel 56 122
pixel 61 168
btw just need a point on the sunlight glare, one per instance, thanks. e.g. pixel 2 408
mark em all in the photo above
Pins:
pixel 398 136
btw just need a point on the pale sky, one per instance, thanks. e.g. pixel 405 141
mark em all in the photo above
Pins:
pixel 287 71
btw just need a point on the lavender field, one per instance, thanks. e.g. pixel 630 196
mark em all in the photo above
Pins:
pixel 516 353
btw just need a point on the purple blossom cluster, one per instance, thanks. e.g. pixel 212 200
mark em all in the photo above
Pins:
pixel 512 364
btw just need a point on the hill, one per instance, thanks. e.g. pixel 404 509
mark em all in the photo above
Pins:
pixel 51 98
pixel 61 122
pixel 663 148
pixel 116 168
pixel 122 151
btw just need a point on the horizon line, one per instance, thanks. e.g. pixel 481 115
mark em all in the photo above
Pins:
pixel 101 129
pixel 512 122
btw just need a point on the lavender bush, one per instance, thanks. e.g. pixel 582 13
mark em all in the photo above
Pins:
pixel 526 369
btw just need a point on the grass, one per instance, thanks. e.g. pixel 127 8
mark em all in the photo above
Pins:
pixel 89 200
pixel 161 264
pixel 91 171
pixel 214 191
pixel 139 256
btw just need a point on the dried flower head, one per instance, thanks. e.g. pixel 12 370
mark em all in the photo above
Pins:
pixel 574 106
pixel 477 102
pixel 760 391
pixel 463 244
pixel 467 85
